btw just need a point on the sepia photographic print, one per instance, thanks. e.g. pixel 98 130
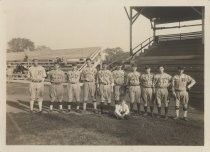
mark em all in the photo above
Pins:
pixel 102 74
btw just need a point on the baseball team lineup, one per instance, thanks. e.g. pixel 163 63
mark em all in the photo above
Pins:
pixel 143 88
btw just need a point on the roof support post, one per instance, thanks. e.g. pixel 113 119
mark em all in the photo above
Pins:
pixel 131 14
pixel 203 16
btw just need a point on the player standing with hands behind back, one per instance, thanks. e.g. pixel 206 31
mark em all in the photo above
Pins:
pixel 88 76
pixel 180 84
pixel 105 84
pixel 162 81
pixel 36 76
pixel 56 89
pixel 133 83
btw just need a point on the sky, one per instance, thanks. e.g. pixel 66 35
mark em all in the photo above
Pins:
pixel 69 24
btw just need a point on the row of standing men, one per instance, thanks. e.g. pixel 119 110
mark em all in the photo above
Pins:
pixel 151 88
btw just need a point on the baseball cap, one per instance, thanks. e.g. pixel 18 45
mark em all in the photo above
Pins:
pixel 161 66
pixel 134 65
pixel 180 68
pixel 73 64
pixel 88 59
pixel 35 59
pixel 147 67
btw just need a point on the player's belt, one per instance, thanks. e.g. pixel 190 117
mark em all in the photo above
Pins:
pixel 73 82
pixel 36 81
pixel 135 85
pixel 88 81
pixel 146 87
pixel 118 84
pixel 179 90
pixel 56 83
pixel 103 83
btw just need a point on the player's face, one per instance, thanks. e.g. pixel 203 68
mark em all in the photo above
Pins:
pixel 161 69
pixel 104 66
pixel 119 67
pixel 74 68
pixel 134 68
pixel 88 63
pixel 148 70
pixel 56 67
pixel 180 71
pixel 36 63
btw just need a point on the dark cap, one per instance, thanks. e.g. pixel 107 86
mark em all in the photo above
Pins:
pixel 147 67
pixel 133 65
pixel 88 59
pixel 73 64
pixel 34 59
pixel 180 68
pixel 161 66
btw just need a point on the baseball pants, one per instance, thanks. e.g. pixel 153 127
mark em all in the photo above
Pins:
pixel 105 92
pixel 135 93
pixel 147 96
pixel 56 92
pixel 74 91
pixel 118 90
pixel 183 97
pixel 36 91
pixel 89 89
pixel 162 96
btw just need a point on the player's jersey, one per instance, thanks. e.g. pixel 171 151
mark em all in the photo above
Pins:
pixel 88 74
pixel 162 80
pixel 119 77
pixel 147 80
pixel 56 76
pixel 179 82
pixel 36 73
pixel 73 76
pixel 105 77
pixel 133 78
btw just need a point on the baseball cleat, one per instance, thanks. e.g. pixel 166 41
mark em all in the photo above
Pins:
pixel 158 116
pixel 176 118
pixel 40 112
pixel 166 117
pixel 185 119
pixel 31 112
pixel 145 114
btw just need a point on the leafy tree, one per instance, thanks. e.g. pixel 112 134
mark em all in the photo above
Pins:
pixel 112 54
pixel 42 48
pixel 20 45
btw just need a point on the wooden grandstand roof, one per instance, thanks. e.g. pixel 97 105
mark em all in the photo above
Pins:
pixel 76 53
pixel 170 14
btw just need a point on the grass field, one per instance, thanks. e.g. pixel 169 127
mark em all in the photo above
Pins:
pixel 94 129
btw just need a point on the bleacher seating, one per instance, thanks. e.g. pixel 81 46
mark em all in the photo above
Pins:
pixel 177 48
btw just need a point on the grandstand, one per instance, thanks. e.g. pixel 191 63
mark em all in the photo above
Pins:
pixel 171 50
pixel 48 58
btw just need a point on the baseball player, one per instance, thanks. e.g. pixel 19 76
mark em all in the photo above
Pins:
pixel 88 76
pixel 133 84
pixel 119 82
pixel 105 84
pixel 122 110
pixel 162 81
pixel 147 90
pixel 73 87
pixel 36 76
pixel 181 84
pixel 56 89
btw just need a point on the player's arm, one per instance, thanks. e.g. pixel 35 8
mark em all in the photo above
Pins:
pixel 191 81
pixel 172 86
pixel 82 76
pixel 117 111
pixel 127 110
pixel 29 74
pixel 169 80
pixel 44 75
